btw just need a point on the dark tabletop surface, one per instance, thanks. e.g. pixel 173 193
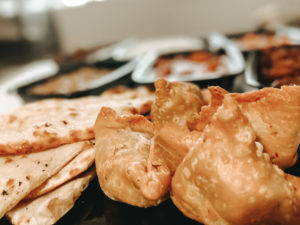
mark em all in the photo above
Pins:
pixel 94 208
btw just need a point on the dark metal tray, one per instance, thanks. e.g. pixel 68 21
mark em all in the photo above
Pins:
pixel 217 43
pixel 119 76
pixel 253 76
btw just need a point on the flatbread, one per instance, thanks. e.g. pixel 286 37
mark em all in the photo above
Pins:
pixel 77 166
pixel 49 208
pixel 49 123
pixel 20 174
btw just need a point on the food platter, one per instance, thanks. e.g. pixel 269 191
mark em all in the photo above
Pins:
pixel 94 207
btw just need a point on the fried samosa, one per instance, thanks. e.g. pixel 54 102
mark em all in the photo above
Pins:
pixel 127 168
pixel 175 102
pixel 227 179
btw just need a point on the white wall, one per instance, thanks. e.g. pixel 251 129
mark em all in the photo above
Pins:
pixel 101 23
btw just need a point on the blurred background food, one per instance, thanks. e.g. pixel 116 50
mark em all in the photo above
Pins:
pixel 34 29
pixel 38 36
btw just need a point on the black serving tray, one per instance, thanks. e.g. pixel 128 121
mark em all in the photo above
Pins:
pixel 119 76
pixel 143 73
pixel 253 76
pixel 134 47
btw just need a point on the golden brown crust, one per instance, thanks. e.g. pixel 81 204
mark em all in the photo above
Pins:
pixel 175 102
pixel 206 96
pixel 227 179
pixel 173 143
pixel 128 169
pixel 200 120
pixel 50 123
pixel 275 116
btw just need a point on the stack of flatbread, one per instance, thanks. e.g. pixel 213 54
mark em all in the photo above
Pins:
pixel 47 153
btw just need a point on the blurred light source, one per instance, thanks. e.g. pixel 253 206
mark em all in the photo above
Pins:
pixel 8 8
pixel 34 6
pixel 76 3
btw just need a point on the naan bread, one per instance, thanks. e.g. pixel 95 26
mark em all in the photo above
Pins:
pixel 127 169
pixel 77 166
pixel 49 208
pixel 227 179
pixel 175 102
pixel 275 116
pixel 50 123
pixel 21 174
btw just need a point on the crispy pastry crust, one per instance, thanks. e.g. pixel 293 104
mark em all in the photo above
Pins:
pixel 127 167
pixel 227 179
pixel 173 143
pixel 275 116
pixel 175 102
pixel 200 120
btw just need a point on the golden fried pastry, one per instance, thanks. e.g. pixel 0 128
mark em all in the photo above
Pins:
pixel 175 102
pixel 127 167
pixel 202 119
pixel 206 96
pixel 275 116
pixel 227 179
pixel 173 142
